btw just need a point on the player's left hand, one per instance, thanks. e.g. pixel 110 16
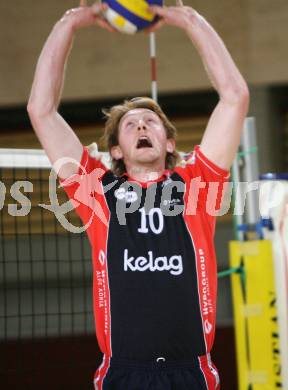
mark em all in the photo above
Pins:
pixel 179 16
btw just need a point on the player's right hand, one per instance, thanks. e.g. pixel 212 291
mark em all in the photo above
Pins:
pixel 85 16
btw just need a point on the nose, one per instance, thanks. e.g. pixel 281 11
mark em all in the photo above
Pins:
pixel 141 125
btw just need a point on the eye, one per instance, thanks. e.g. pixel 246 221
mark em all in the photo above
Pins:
pixel 129 124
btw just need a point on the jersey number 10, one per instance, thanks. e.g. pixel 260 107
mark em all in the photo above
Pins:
pixel 154 219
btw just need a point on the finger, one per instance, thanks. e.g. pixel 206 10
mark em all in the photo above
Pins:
pixel 155 9
pixel 163 11
pixel 179 3
pixel 102 23
pixel 83 3
pixel 155 27
pixel 97 8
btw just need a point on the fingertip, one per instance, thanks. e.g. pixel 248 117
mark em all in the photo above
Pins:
pixel 99 6
pixel 153 28
pixel 153 7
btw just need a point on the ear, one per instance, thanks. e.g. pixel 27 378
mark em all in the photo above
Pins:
pixel 116 152
pixel 170 145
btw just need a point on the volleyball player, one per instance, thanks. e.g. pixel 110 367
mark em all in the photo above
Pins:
pixel 154 264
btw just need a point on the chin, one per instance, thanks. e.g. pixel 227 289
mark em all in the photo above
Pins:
pixel 147 159
pixel 148 156
pixel 151 155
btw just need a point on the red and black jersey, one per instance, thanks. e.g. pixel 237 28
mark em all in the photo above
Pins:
pixel 154 265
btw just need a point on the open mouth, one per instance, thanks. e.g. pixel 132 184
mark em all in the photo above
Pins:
pixel 144 142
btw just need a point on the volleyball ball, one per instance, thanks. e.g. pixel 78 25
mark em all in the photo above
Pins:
pixel 130 16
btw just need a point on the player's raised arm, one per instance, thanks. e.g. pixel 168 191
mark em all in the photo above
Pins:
pixel 222 135
pixel 54 133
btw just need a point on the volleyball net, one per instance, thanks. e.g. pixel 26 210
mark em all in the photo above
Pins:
pixel 45 281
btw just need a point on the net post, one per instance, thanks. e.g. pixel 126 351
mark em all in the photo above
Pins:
pixel 152 45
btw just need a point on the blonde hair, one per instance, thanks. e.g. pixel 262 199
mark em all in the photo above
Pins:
pixel 111 130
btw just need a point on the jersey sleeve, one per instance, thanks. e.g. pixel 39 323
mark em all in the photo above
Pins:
pixel 206 181
pixel 85 187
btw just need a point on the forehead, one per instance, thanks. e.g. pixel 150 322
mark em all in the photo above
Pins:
pixel 137 112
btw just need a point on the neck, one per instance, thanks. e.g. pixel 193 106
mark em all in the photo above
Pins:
pixel 145 173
